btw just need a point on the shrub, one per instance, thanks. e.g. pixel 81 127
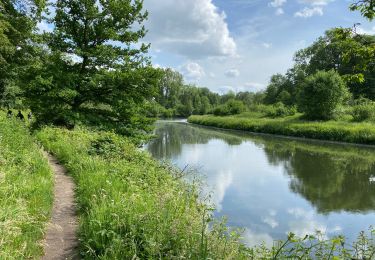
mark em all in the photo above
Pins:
pixel 321 95
pixel 231 107
pixel 363 112
pixel 280 110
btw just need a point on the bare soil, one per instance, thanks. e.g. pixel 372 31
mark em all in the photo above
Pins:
pixel 61 240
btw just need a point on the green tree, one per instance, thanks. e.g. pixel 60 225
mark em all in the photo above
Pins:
pixel 366 7
pixel 348 53
pixel 231 107
pixel 18 19
pixel 321 95
pixel 94 69
pixel 169 88
pixel 275 87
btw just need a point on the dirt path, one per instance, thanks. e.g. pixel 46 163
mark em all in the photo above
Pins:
pixel 61 240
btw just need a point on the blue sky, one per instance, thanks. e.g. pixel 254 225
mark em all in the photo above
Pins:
pixel 238 44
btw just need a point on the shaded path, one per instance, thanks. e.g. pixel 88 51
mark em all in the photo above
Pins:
pixel 61 240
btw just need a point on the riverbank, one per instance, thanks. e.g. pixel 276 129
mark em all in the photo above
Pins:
pixel 294 126
pixel 131 206
pixel 26 195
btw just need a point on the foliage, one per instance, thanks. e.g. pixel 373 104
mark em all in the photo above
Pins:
pixel 231 107
pixel 363 110
pixel 280 110
pixel 366 7
pixel 181 100
pixel 341 131
pixel 184 100
pixel 26 197
pixel 131 206
pixel 348 53
pixel 318 247
pixel 17 20
pixel 92 66
pixel 321 95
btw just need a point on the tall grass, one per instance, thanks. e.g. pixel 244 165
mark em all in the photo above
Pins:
pixel 341 131
pixel 25 192
pixel 132 207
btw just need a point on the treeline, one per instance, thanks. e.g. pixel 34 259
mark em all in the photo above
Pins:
pixel 176 99
pixel 334 75
pixel 336 71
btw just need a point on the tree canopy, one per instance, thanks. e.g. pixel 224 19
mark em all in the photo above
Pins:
pixel 94 66
pixel 366 7
pixel 17 22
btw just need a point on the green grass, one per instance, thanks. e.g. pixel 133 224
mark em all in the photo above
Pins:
pixel 340 131
pixel 131 206
pixel 26 196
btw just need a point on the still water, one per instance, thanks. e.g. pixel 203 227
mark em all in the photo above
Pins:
pixel 270 186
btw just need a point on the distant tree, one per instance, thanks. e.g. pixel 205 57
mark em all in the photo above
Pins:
pixel 94 69
pixel 169 88
pixel 231 107
pixel 274 88
pixel 205 105
pixel 366 7
pixel 228 96
pixel 321 95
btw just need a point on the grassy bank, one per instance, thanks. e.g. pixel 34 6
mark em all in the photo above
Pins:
pixel 340 131
pixel 132 207
pixel 25 192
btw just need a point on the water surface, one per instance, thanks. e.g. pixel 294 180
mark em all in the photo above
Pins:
pixel 270 186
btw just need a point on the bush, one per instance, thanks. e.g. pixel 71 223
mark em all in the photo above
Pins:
pixel 322 94
pixel 280 110
pixel 363 112
pixel 231 107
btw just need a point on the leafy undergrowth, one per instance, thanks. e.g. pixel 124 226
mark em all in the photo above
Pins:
pixel 341 131
pixel 133 207
pixel 25 192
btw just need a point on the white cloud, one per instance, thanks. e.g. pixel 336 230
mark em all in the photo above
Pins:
pixel 277 3
pixel 222 183
pixel 192 71
pixel 194 29
pixel 255 239
pixel 232 73
pixel 362 30
pixel 279 11
pixel 315 2
pixel 271 222
pixel 309 12
pixel 305 223
pixel 254 86
pixel 267 45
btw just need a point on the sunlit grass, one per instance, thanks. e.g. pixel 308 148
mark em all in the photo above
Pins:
pixel 25 192
pixel 342 131
pixel 131 206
